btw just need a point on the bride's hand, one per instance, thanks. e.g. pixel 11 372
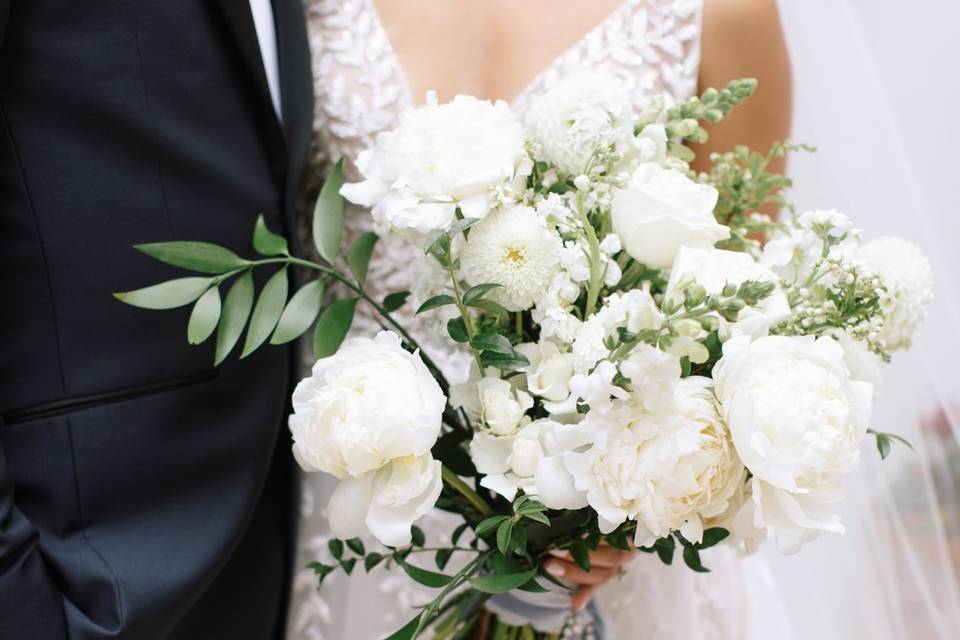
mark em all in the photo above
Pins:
pixel 606 563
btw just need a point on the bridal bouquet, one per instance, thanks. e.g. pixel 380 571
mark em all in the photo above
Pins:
pixel 656 365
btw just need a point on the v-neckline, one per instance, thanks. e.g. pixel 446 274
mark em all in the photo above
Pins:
pixel 407 88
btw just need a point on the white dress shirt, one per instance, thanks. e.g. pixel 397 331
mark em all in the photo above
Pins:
pixel 267 36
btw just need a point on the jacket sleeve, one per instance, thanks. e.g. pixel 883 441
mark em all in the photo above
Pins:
pixel 4 18
pixel 30 605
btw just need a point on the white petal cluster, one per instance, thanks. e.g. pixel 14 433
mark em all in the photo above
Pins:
pixel 513 248
pixel 370 415
pixel 797 419
pixel 583 116
pixel 908 278
pixel 662 210
pixel 440 157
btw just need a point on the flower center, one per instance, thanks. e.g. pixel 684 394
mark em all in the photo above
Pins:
pixel 515 255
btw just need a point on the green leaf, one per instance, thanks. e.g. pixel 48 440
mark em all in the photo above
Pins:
pixel 712 537
pixel 348 565
pixel 356 545
pixel 167 295
pixel 492 342
pixel 488 525
pixel 518 541
pixel 417 537
pixel 502 583
pixel 475 293
pixel 430 579
pixel 436 302
pixel 358 255
pixel 665 548
pixel 332 327
pixel 267 311
pixel 491 307
pixel 537 516
pixel 196 256
pixel 685 367
pixel 236 310
pixel 322 571
pixel 336 548
pixel 266 242
pixel 534 587
pixel 372 560
pixel 458 532
pixel 692 559
pixel 299 313
pixel 511 362
pixel 504 534
pixel 580 555
pixel 883 445
pixel 395 300
pixel 204 317
pixel 462 225
pixel 618 540
pixel 328 215
pixel 457 330
pixel 442 558
pixel 406 633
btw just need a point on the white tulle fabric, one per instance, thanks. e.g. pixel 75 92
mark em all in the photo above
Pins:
pixel 654 47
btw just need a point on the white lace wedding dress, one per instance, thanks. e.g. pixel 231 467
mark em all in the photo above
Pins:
pixel 653 46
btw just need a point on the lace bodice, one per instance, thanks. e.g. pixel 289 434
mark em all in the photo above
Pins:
pixel 653 46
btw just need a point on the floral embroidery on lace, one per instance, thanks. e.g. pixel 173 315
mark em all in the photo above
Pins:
pixel 653 46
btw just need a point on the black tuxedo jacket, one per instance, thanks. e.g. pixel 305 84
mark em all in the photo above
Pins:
pixel 143 494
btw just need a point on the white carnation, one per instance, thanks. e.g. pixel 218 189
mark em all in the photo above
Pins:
pixel 439 157
pixel 797 419
pixel 515 249
pixel 582 116
pixel 906 273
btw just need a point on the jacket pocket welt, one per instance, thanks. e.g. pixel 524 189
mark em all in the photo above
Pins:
pixel 78 403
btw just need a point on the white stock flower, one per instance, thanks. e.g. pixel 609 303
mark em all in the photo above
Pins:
pixel 653 374
pixel 792 253
pixel 368 404
pixel 513 248
pixel 549 374
pixel 797 419
pixel 583 115
pixel 634 310
pixel 440 157
pixel 906 273
pixel 386 502
pixel 715 268
pixel 369 415
pixel 661 210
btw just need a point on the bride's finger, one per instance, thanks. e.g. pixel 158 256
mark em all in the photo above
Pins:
pixel 605 556
pixel 570 572
pixel 583 596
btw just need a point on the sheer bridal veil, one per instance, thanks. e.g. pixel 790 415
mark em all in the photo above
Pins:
pixel 895 573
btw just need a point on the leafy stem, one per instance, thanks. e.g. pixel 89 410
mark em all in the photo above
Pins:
pixel 593 289
pixel 461 487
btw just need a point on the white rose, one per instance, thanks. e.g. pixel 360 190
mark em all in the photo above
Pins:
pixel 662 210
pixel 548 375
pixel 907 275
pixel 582 116
pixel 797 419
pixel 370 403
pixel 386 502
pixel 438 158
pixel 713 269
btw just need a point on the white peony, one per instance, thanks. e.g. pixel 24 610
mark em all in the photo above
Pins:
pixel 715 268
pixel 906 273
pixel 370 415
pixel 440 157
pixel 862 363
pixel 670 469
pixel 386 502
pixel 513 248
pixel 582 116
pixel 661 210
pixel 797 419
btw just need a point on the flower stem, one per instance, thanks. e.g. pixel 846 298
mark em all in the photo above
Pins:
pixel 463 489
pixel 467 319
pixel 593 290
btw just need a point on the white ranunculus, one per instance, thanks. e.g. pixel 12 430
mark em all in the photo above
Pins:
pixel 386 502
pixel 580 117
pixel 797 419
pixel 516 249
pixel 440 157
pixel 661 210
pixel 715 268
pixel 548 375
pixel 907 275
pixel 370 403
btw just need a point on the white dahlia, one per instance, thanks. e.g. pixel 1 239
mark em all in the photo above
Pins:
pixel 906 273
pixel 513 248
